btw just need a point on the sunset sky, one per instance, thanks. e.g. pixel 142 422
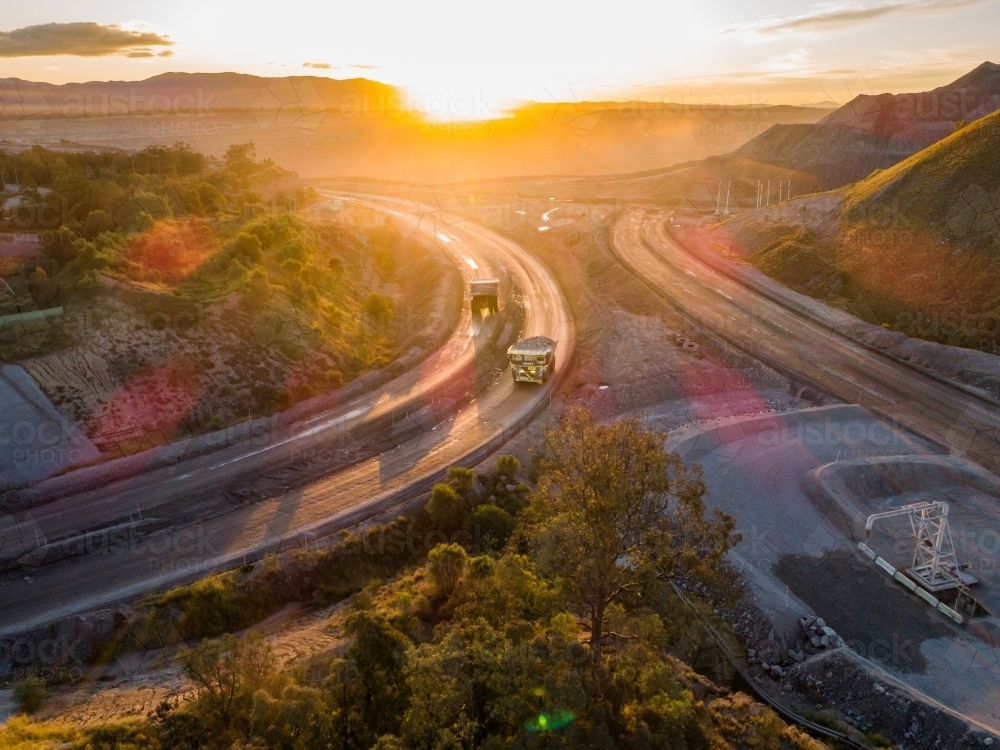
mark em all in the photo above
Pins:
pixel 779 51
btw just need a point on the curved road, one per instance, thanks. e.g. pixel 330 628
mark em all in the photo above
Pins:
pixel 801 345
pixel 175 523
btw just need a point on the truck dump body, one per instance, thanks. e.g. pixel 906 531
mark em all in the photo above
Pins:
pixel 484 295
pixel 532 360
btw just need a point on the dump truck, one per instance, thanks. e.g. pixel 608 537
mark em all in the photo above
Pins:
pixel 484 295
pixel 532 360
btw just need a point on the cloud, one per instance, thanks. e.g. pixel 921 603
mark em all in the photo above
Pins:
pixel 318 64
pixel 829 16
pixel 363 66
pixel 82 39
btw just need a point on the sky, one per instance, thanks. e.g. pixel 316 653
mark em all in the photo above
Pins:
pixel 469 59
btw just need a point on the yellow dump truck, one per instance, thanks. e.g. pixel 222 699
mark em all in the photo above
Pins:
pixel 532 360
pixel 484 295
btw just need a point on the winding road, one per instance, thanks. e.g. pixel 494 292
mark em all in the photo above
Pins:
pixel 775 330
pixel 175 523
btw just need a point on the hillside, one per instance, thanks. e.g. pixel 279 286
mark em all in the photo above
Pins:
pixel 875 132
pixel 915 248
pixel 948 189
pixel 927 116
pixel 185 292
pixel 486 642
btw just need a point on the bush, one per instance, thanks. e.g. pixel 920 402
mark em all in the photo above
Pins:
pixel 334 378
pixel 292 266
pixel 379 308
pixel 97 223
pixel 461 479
pixel 210 606
pixel 256 290
pixel 29 694
pixel 446 509
pixel 247 248
pixel 446 565
pixel 490 526
pixel 507 466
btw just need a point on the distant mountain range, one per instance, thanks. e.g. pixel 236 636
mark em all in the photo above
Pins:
pixel 321 127
pixel 875 132
pixel 185 93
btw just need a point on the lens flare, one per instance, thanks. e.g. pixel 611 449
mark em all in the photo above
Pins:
pixel 549 721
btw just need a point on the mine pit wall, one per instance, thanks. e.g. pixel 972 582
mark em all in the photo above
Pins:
pixel 36 441
pixel 839 489
pixel 844 492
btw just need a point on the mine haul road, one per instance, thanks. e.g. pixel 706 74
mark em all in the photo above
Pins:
pixel 799 345
pixel 174 524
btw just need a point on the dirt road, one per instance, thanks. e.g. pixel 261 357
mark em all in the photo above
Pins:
pixel 177 523
pixel 645 241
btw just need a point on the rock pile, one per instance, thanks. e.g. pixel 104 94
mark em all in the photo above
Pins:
pixel 819 635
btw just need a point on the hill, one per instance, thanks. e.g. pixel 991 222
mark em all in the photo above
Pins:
pixel 875 132
pixel 915 248
pixel 947 190
pixel 190 290
pixel 189 93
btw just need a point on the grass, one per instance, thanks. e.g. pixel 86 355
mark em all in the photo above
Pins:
pixel 918 245
pixel 20 733
pixel 925 188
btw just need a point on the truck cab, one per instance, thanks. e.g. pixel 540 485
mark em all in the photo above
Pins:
pixel 532 360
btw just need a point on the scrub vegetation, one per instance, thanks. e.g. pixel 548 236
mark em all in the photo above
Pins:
pixel 541 617
pixel 195 290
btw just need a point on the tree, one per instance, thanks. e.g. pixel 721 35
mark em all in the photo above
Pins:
pixel 378 654
pixel 446 565
pixel 490 526
pixel 246 247
pixel 228 670
pixel 291 717
pixel 367 690
pixel 446 509
pixel 614 512
pixel 240 158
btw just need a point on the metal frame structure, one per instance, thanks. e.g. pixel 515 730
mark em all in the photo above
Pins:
pixel 935 565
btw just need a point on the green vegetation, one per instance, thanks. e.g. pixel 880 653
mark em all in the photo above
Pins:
pixel 199 283
pixel 569 635
pixel 937 189
pixel 915 249
pixel 29 694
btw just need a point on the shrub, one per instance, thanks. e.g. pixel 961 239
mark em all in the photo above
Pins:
pixel 446 565
pixel 334 378
pixel 461 479
pixel 379 308
pixel 507 466
pixel 246 247
pixel 446 509
pixel 97 223
pixel 29 694
pixel 491 526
